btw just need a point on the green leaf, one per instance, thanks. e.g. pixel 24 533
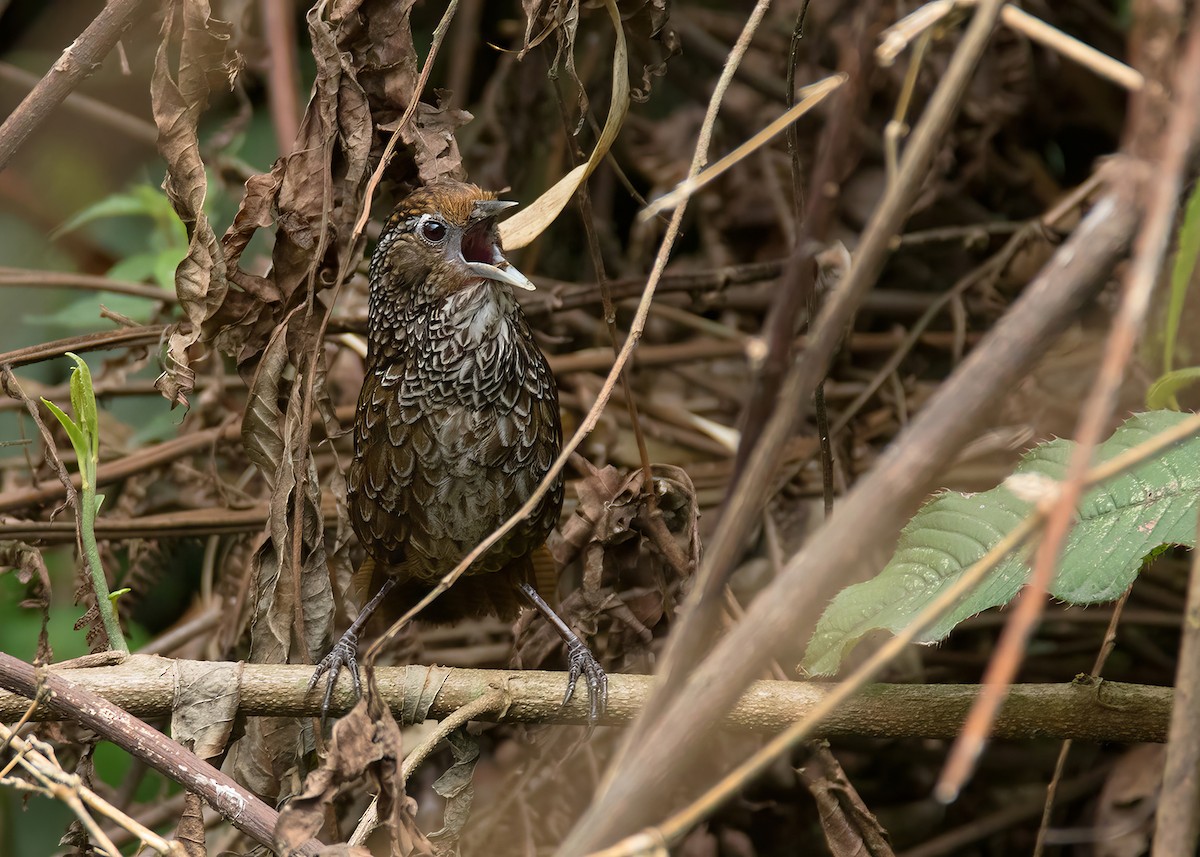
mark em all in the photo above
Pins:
pixel 83 402
pixel 1163 391
pixel 165 264
pixel 117 205
pixel 84 312
pixel 1181 275
pixel 113 596
pixel 1120 523
pixel 77 439
pixel 136 268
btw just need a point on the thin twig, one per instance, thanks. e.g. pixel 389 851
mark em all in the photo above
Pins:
pixel 82 57
pixel 682 821
pixel 247 813
pixel 748 496
pixel 1177 821
pixel 1154 239
pixel 584 198
pixel 283 78
pixel 1060 764
pixel 58 279
pixel 134 127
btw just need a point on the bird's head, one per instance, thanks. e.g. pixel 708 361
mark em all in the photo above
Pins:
pixel 441 239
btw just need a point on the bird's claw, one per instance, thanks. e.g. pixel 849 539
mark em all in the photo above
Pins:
pixel 343 654
pixel 581 662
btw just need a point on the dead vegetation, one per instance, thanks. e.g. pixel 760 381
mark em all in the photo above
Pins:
pixel 902 291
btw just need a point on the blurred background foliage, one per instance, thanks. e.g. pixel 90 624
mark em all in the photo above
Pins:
pixel 84 196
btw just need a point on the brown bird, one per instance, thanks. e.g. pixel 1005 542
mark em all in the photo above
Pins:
pixel 457 423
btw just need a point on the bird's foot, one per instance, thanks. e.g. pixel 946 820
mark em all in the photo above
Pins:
pixel 581 662
pixel 343 654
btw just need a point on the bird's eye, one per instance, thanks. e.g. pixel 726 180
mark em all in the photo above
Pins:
pixel 433 230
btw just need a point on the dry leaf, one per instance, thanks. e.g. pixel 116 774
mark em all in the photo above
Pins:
pixel 194 50
pixel 206 703
pixel 190 830
pixel 365 741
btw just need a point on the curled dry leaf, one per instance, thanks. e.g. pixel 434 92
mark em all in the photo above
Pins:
pixel 430 136
pixel 622 543
pixel 456 787
pixel 560 18
pixel 293 610
pixel 1125 809
pixel 190 830
pixel 365 741
pixel 366 72
pixel 194 51
pixel 652 38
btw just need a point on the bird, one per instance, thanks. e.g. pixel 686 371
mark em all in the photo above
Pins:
pixel 457 423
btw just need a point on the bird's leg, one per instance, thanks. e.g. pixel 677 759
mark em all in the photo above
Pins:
pixel 580 660
pixel 345 651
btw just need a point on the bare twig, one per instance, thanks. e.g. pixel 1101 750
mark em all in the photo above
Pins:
pixel 76 63
pixel 847 543
pixel 283 77
pixel 40 765
pixel 126 337
pixel 247 813
pixel 1153 241
pixel 628 800
pixel 1177 822
pixel 57 279
pixel 132 126
pixel 1060 764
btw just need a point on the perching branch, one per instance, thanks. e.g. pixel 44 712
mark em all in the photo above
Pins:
pixel 149 686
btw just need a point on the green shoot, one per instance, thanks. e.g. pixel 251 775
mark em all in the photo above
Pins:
pixel 84 432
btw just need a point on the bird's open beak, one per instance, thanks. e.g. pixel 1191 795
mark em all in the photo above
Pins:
pixel 507 274
pixel 497 268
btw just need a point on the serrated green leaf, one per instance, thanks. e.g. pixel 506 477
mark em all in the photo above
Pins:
pixel 1120 523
